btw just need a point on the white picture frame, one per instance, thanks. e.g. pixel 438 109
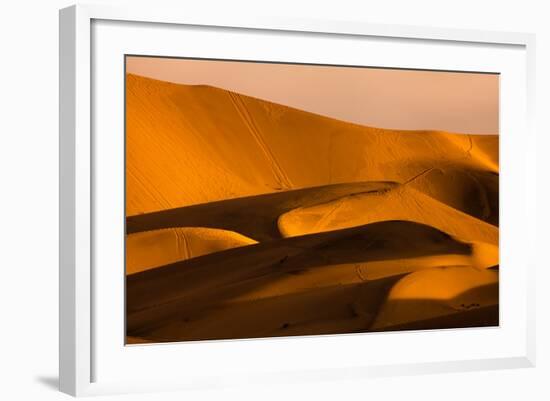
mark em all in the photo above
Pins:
pixel 84 355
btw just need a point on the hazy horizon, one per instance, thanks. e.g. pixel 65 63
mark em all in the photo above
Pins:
pixel 385 98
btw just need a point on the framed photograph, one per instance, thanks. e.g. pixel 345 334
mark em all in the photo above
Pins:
pixel 272 200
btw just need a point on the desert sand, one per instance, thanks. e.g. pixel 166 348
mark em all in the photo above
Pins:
pixel 247 218
pixel 155 248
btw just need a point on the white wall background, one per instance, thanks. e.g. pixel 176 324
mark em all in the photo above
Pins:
pixel 29 196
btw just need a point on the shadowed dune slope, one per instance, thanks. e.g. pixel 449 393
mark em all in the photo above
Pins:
pixel 328 282
pixel 331 282
pixel 189 145
pixel 253 216
pixel 155 248
pixel 318 209
pixel 472 192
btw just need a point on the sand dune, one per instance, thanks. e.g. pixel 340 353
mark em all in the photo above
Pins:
pixel 247 218
pixel 373 254
pixel 253 216
pixel 436 292
pixel 197 144
pixel 146 250
pixel 297 212
pixel 401 203
pixel 472 192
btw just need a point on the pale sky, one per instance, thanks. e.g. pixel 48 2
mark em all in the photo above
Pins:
pixel 385 98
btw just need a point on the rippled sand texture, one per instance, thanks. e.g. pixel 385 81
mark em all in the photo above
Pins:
pixel 247 218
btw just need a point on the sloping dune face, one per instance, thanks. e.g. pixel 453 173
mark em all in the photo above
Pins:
pixel 437 292
pixel 247 218
pixel 402 203
pixel 196 144
pixel 314 284
pixel 150 249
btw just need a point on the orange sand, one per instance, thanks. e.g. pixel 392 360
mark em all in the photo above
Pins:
pixel 196 144
pixel 247 218
pixel 149 249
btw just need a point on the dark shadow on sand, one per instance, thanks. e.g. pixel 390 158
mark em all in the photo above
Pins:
pixel 252 216
pixel 176 291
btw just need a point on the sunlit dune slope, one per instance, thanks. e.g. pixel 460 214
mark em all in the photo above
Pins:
pixel 400 203
pixel 436 292
pixel 336 281
pixel 155 248
pixel 297 212
pixel 188 145
pixel 253 216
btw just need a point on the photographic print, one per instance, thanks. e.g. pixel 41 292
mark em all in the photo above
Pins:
pixel 276 199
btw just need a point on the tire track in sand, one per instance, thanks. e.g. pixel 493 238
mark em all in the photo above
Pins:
pixel 280 176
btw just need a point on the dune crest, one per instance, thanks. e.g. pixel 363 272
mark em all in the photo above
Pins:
pixel 211 144
pixel 150 249
pixel 402 203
